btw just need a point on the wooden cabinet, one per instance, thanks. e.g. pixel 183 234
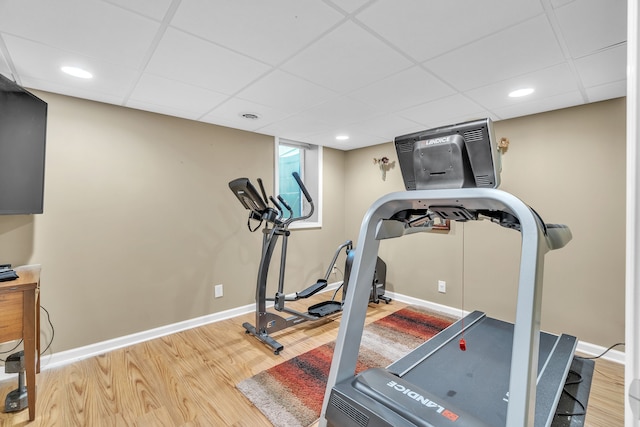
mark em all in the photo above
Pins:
pixel 20 319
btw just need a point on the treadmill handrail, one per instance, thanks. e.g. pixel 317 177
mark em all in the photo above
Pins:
pixel 535 243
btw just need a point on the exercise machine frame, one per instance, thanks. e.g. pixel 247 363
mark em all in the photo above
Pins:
pixel 276 226
pixel 537 239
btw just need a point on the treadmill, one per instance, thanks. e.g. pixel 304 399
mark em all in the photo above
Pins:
pixel 512 374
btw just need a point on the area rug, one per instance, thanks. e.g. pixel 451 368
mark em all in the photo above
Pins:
pixel 291 393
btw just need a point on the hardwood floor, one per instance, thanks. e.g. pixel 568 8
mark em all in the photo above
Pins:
pixel 188 379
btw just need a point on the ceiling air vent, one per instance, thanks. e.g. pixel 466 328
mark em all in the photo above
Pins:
pixel 250 116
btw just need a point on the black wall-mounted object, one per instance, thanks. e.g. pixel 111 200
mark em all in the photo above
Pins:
pixel 23 129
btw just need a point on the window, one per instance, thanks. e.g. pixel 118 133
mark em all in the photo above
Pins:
pixel 306 160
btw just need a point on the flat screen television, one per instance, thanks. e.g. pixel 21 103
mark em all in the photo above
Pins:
pixel 462 155
pixel 23 129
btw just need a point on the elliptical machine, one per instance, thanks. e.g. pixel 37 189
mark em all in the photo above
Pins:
pixel 276 224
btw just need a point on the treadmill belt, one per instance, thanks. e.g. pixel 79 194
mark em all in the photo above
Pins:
pixel 478 384
pixel 478 379
pixel 471 386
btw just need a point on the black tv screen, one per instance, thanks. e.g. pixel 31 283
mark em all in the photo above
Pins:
pixel 23 128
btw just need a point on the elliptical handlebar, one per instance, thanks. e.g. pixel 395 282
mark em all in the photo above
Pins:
pixel 277 205
pixel 349 245
pixel 306 196
pixel 302 187
pixel 286 205
pixel 264 193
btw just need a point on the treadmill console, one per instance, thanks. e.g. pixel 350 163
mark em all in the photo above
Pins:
pixel 463 155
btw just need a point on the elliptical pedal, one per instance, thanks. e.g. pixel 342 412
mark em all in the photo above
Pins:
pixel 325 308
pixel 313 289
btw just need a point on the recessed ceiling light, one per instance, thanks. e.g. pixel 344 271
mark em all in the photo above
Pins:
pixel 521 92
pixel 250 116
pixel 342 137
pixel 77 72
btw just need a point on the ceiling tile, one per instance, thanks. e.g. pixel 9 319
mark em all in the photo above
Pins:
pixel 155 9
pixel 344 66
pixel 4 65
pixel 607 91
pixel 286 92
pixel 557 102
pixel 606 66
pixel 193 101
pixel 181 56
pixel 230 114
pixel 388 126
pixel 425 29
pixel 558 3
pixel 341 111
pixel 452 109
pixel 167 110
pixel 243 26
pixel 349 6
pixel 91 28
pixel 549 82
pixel 82 92
pixel 591 25
pixel 528 46
pixel 403 90
pixel 297 127
pixel 37 62
pixel 356 140
pixel 231 122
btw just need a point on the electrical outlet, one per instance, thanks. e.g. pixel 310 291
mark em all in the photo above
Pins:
pixel 217 291
pixel 442 286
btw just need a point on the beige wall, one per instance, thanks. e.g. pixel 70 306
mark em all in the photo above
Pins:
pixel 569 165
pixel 139 222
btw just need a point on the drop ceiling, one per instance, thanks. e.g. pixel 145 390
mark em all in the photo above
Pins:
pixel 311 70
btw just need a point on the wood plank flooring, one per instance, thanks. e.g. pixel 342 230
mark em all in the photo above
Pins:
pixel 189 378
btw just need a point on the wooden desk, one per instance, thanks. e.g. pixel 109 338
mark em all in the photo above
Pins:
pixel 20 319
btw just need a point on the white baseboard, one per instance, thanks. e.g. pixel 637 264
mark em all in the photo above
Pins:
pixel 596 350
pixel 444 309
pixel 66 357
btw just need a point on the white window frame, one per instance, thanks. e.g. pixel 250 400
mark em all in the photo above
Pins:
pixel 311 162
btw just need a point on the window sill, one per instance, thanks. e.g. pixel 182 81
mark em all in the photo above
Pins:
pixel 305 225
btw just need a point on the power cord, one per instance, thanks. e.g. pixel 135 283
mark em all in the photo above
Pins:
pixel 9 351
pixel 574 398
pixel 20 342
pixel 601 354
pixel 577 381
pixel 53 331
pixel 333 298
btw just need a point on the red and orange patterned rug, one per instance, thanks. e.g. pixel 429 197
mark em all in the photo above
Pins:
pixel 291 393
